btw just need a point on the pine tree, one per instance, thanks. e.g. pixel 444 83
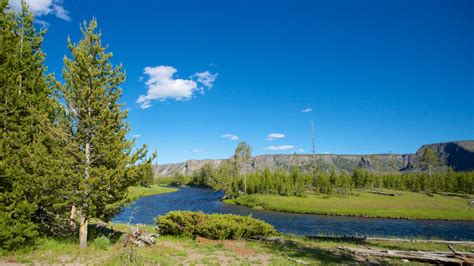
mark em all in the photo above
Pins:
pixel 29 172
pixel 429 160
pixel 243 154
pixel 103 159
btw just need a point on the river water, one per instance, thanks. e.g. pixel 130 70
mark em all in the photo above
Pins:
pixel 145 209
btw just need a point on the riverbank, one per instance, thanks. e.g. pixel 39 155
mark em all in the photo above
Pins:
pixel 135 192
pixel 172 250
pixel 403 205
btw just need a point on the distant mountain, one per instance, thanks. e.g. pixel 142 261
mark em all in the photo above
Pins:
pixel 458 155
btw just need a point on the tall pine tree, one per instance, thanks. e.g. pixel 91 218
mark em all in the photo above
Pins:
pixel 30 169
pixel 103 158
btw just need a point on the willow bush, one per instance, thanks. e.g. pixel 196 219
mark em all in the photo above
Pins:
pixel 213 226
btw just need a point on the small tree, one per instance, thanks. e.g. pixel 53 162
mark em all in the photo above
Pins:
pixel 429 160
pixel 243 154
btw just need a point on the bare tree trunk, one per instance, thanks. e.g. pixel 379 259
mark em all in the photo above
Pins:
pixel 88 159
pixel 84 221
pixel 83 231
pixel 245 174
pixel 72 217
pixel 21 54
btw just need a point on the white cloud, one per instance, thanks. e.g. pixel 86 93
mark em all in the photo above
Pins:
pixel 162 85
pixel 274 136
pixel 205 78
pixel 43 8
pixel 230 137
pixel 300 150
pixel 136 136
pixel 306 110
pixel 196 150
pixel 280 148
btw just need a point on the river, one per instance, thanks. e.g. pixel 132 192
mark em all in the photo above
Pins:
pixel 145 209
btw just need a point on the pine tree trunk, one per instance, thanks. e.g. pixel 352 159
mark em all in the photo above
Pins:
pixel 21 55
pixel 83 231
pixel 72 217
pixel 245 175
pixel 88 159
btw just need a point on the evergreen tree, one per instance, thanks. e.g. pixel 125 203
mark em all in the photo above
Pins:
pixel 30 170
pixel 103 158
pixel 243 154
pixel 143 172
pixel 429 160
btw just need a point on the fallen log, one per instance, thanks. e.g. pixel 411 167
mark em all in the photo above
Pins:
pixel 297 261
pixel 338 238
pixel 140 238
pixel 420 256
pixel 385 193
pixel 274 240
pixel 448 242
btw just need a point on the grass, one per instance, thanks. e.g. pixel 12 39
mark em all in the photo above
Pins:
pixel 136 192
pixel 174 250
pixel 409 205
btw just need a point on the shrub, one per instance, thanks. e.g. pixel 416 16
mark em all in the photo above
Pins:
pixel 101 243
pixel 180 222
pixel 214 226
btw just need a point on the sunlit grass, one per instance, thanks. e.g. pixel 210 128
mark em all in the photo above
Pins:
pixel 136 192
pixel 178 250
pixel 409 205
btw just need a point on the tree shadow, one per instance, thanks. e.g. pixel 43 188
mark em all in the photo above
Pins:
pixel 98 230
pixel 300 251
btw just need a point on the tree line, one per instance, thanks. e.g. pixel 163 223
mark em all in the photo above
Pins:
pixel 64 153
pixel 231 177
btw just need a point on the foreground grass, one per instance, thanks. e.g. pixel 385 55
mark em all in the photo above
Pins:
pixel 409 205
pixel 175 250
pixel 136 192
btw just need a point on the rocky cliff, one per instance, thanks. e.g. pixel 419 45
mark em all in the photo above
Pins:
pixel 457 155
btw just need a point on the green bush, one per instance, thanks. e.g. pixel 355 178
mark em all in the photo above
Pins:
pixel 101 243
pixel 214 226
pixel 180 222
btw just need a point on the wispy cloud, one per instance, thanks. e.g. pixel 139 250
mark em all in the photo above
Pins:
pixel 230 137
pixel 274 136
pixel 205 78
pixel 43 8
pixel 161 85
pixel 300 150
pixel 136 136
pixel 306 110
pixel 280 148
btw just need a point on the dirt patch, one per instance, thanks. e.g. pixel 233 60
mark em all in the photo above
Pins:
pixel 203 240
pixel 239 247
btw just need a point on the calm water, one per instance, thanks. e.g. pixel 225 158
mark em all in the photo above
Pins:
pixel 206 200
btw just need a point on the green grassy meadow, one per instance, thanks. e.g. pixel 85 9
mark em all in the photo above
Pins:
pixel 136 192
pixel 174 250
pixel 409 205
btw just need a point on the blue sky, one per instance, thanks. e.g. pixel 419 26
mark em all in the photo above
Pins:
pixel 379 76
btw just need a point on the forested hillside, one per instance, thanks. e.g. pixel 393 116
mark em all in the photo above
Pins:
pixel 458 156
